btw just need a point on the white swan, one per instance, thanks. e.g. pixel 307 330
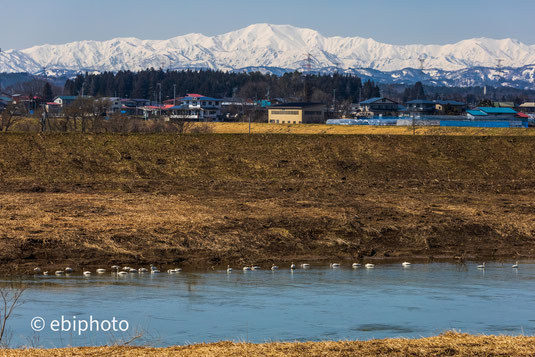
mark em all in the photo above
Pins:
pixel 87 273
pixel 292 267
pixel 515 266
pixel 356 265
pixel 143 270
pixel 122 273
pixel 59 272
pixel 305 265
pixel 406 264
pixel 335 265
pixel 482 266
pixel 69 270
pixel 229 269
pixel 246 268
pixel 101 271
pixel 45 273
pixel 274 267
pixel 115 267
pixel 132 270
pixel 370 266
pixel 255 267
pixel 37 270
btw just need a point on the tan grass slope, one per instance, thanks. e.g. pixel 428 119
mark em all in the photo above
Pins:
pixel 449 344
pixel 236 199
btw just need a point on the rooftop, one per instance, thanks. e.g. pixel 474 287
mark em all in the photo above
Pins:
pixel 493 110
pixel 420 101
pixel 296 105
pixel 449 102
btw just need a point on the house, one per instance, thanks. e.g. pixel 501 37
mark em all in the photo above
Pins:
pixel 296 113
pixel 449 106
pixel 115 104
pixel 53 107
pixel 528 107
pixel 421 106
pixel 64 100
pixel 380 105
pixel 492 113
pixel 196 107
pixel 4 102
pixel 133 106
pixel 504 104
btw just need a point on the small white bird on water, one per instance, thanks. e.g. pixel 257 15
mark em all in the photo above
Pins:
pixel 45 273
pixel 481 266
pixel 292 267
pixel 142 270
pixel 68 270
pixel 87 273
pixel 59 272
pixel 515 266
pixel 335 265
pixel 406 264
pixel 305 265
pixel 255 267
pixel 356 265
pixel 101 271
pixel 37 270
pixel 229 269
pixel 370 266
pixel 247 268
pixel 274 267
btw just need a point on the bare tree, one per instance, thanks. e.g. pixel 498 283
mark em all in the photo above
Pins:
pixel 10 116
pixel 10 299
pixel 81 108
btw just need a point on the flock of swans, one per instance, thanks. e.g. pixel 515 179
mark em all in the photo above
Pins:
pixel 153 270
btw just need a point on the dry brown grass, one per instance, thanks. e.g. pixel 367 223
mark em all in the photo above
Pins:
pixel 264 128
pixel 213 200
pixel 449 344
pixel 230 226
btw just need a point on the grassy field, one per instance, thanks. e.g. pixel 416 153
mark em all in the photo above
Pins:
pixel 32 125
pixel 217 199
pixel 449 344
pixel 264 128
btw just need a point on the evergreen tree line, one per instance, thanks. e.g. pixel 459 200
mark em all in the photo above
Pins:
pixel 290 86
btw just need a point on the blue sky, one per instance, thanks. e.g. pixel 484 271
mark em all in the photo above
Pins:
pixel 33 22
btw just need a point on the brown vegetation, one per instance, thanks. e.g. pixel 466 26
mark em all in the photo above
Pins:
pixel 212 200
pixel 449 344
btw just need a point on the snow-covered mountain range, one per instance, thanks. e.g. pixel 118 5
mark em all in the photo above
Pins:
pixel 281 48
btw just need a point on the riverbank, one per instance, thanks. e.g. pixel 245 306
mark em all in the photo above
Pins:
pixel 212 200
pixel 449 344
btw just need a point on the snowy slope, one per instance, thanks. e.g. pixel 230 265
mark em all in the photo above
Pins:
pixel 266 46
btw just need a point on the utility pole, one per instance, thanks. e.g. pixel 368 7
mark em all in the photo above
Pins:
pixel 160 98
pixel 334 101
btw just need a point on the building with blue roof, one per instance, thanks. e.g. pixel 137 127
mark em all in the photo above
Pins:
pixel 64 100
pixel 379 106
pixel 492 113
pixel 196 107
pixel 451 107
pixel 421 106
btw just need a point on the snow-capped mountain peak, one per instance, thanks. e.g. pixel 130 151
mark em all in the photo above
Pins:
pixel 282 47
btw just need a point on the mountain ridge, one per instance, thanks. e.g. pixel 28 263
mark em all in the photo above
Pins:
pixel 271 46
